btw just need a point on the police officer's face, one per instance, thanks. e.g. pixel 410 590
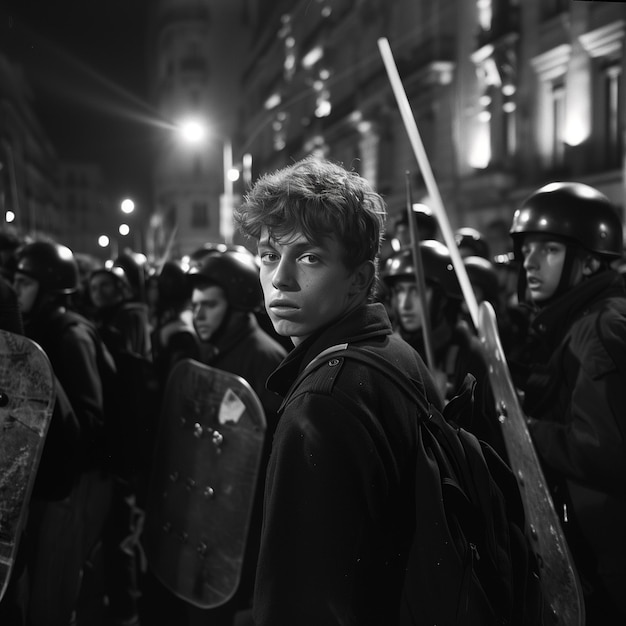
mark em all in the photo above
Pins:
pixel 209 306
pixel 307 286
pixel 104 290
pixel 407 304
pixel 26 289
pixel 543 264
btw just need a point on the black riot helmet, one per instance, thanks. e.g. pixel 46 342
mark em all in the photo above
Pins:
pixel 120 277
pixel 236 272
pixel 574 212
pixel 482 273
pixel 437 265
pixel 133 265
pixel 52 265
pixel 173 283
pixel 471 242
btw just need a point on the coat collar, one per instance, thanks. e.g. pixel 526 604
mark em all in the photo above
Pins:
pixel 366 322
pixel 578 301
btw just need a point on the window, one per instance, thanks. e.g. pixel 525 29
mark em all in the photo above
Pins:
pixel 557 108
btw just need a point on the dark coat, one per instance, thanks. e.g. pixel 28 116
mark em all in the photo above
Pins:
pixel 340 495
pixel 73 347
pixel 576 397
pixel 245 349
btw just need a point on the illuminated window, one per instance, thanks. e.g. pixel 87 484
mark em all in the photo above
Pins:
pixel 557 107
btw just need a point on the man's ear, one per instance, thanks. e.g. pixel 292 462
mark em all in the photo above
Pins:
pixel 362 278
pixel 591 265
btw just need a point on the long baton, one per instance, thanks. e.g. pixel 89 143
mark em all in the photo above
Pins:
pixel 419 276
pixel 429 179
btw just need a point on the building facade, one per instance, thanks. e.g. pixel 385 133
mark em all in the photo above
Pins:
pixel 507 95
pixel 198 48
pixel 29 191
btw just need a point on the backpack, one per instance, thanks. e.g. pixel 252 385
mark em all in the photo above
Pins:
pixel 470 561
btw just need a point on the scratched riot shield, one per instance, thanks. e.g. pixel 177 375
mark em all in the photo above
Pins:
pixel 559 579
pixel 202 486
pixel 26 401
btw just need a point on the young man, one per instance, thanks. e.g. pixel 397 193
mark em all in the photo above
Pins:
pixel 567 235
pixel 340 496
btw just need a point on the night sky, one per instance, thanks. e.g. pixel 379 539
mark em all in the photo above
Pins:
pixel 86 63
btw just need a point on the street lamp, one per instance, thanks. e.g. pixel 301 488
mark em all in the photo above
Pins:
pixel 105 242
pixel 127 206
pixel 195 131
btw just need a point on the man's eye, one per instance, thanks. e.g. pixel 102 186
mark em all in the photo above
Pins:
pixel 268 257
pixel 310 258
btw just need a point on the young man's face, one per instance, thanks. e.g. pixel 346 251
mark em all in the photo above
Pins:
pixel 209 306
pixel 26 289
pixel 543 263
pixel 407 304
pixel 305 286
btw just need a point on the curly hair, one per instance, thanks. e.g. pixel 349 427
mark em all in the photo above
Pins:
pixel 318 199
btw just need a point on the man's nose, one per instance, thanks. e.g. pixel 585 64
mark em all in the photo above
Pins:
pixel 283 277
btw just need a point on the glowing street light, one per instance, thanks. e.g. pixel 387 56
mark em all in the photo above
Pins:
pixel 127 206
pixel 124 229
pixel 193 131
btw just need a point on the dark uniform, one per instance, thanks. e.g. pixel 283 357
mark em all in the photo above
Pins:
pixel 63 531
pixel 575 389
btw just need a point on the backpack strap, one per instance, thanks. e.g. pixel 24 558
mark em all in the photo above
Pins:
pixel 380 364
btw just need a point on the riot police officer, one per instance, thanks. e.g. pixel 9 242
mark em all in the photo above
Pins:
pixel 65 530
pixel 566 236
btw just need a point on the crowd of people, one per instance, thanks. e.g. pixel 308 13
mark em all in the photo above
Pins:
pixel 335 508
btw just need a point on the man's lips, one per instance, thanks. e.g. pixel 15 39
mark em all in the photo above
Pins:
pixel 283 304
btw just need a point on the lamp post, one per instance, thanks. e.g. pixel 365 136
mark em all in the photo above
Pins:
pixel 195 131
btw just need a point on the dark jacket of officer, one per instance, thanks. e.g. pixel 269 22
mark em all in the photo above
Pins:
pixel 576 393
pixel 73 346
pixel 340 495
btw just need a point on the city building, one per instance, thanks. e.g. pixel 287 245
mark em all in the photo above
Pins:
pixel 198 47
pixel 507 95
pixel 29 191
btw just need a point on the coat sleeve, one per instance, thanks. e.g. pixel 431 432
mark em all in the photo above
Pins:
pixel 586 444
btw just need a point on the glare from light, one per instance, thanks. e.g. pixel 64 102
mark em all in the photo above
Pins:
pixel 9 216
pixel 233 174
pixel 127 206
pixel 509 107
pixel 103 241
pixel 193 131
pixel 124 229
pixel 508 90
pixel 312 57
pixel 272 102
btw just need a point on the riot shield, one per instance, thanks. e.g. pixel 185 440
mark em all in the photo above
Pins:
pixel 27 396
pixel 202 486
pixel 559 579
